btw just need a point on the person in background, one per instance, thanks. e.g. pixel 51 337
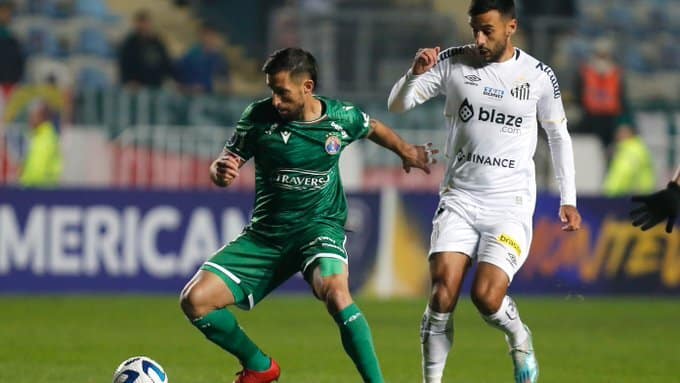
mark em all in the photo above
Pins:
pixel 12 63
pixel 659 206
pixel 143 59
pixel 631 169
pixel 202 63
pixel 600 90
pixel 43 165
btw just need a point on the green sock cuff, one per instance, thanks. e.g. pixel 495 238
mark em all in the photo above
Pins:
pixel 348 314
pixel 217 316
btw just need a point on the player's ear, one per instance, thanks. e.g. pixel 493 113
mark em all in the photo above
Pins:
pixel 308 86
pixel 511 27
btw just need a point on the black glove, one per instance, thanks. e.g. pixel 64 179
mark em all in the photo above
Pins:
pixel 664 204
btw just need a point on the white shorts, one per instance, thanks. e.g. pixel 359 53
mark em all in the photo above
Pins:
pixel 497 235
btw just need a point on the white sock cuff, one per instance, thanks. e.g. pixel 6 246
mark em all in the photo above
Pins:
pixel 501 310
pixel 439 317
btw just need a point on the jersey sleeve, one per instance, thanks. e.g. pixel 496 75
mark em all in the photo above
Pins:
pixel 359 124
pixel 241 141
pixel 412 90
pixel 551 116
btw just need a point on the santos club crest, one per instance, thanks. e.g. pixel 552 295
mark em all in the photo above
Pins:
pixel 332 145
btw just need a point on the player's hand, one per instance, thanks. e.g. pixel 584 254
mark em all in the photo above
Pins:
pixel 656 207
pixel 224 170
pixel 419 156
pixel 425 59
pixel 570 217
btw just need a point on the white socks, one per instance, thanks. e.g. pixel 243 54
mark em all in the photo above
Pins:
pixel 436 336
pixel 507 320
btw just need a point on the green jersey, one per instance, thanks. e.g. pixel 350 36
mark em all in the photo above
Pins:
pixel 297 177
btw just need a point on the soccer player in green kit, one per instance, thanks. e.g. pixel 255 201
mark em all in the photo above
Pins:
pixel 295 138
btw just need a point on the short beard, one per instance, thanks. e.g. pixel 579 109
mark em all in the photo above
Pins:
pixel 295 115
pixel 496 56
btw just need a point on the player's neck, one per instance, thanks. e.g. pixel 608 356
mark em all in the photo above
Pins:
pixel 508 54
pixel 312 110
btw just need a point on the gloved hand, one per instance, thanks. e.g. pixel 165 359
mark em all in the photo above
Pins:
pixel 664 204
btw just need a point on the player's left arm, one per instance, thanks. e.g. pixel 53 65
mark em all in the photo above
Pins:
pixel 412 156
pixel 551 116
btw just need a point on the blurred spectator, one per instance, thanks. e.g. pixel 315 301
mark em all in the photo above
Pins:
pixel 143 59
pixel 12 62
pixel 197 69
pixel 43 165
pixel 631 169
pixel 600 90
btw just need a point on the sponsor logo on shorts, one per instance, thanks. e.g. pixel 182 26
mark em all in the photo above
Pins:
pixel 506 239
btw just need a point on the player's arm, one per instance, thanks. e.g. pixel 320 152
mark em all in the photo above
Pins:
pixel 422 82
pixel 225 168
pixel 412 156
pixel 550 112
pixel 240 147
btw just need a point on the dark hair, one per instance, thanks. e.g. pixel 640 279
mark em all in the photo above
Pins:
pixel 294 60
pixel 504 7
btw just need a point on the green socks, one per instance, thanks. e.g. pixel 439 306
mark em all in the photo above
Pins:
pixel 221 328
pixel 358 343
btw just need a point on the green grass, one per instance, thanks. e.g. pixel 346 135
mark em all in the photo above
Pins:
pixel 82 339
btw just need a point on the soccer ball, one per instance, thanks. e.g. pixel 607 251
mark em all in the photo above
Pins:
pixel 140 369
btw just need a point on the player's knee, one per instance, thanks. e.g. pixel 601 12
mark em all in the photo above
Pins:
pixel 487 299
pixel 194 303
pixel 443 297
pixel 336 297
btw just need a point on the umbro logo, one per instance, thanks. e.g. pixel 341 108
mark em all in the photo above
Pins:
pixel 472 79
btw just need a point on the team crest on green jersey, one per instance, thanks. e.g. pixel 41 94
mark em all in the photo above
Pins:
pixel 332 144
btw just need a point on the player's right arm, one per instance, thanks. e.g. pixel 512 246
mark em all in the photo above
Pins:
pixel 240 147
pixel 225 169
pixel 422 82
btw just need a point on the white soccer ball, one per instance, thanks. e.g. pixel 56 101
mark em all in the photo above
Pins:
pixel 140 369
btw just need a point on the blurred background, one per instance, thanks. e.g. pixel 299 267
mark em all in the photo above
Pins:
pixel 111 112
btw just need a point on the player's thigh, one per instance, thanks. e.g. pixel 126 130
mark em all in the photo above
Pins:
pixel 453 232
pixel 319 242
pixel 246 265
pixel 447 273
pixel 505 243
pixel 326 276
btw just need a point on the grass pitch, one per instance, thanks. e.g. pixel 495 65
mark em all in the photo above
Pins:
pixel 83 338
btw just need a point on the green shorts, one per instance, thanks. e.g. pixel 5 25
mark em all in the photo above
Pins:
pixel 253 264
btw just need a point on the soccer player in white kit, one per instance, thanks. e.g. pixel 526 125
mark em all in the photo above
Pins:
pixel 496 95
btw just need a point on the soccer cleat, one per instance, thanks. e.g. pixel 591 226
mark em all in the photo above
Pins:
pixel 268 376
pixel 524 359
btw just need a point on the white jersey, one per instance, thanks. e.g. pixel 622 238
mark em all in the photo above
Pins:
pixel 492 111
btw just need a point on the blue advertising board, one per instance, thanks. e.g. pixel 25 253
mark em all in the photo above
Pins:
pixel 607 256
pixel 138 241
